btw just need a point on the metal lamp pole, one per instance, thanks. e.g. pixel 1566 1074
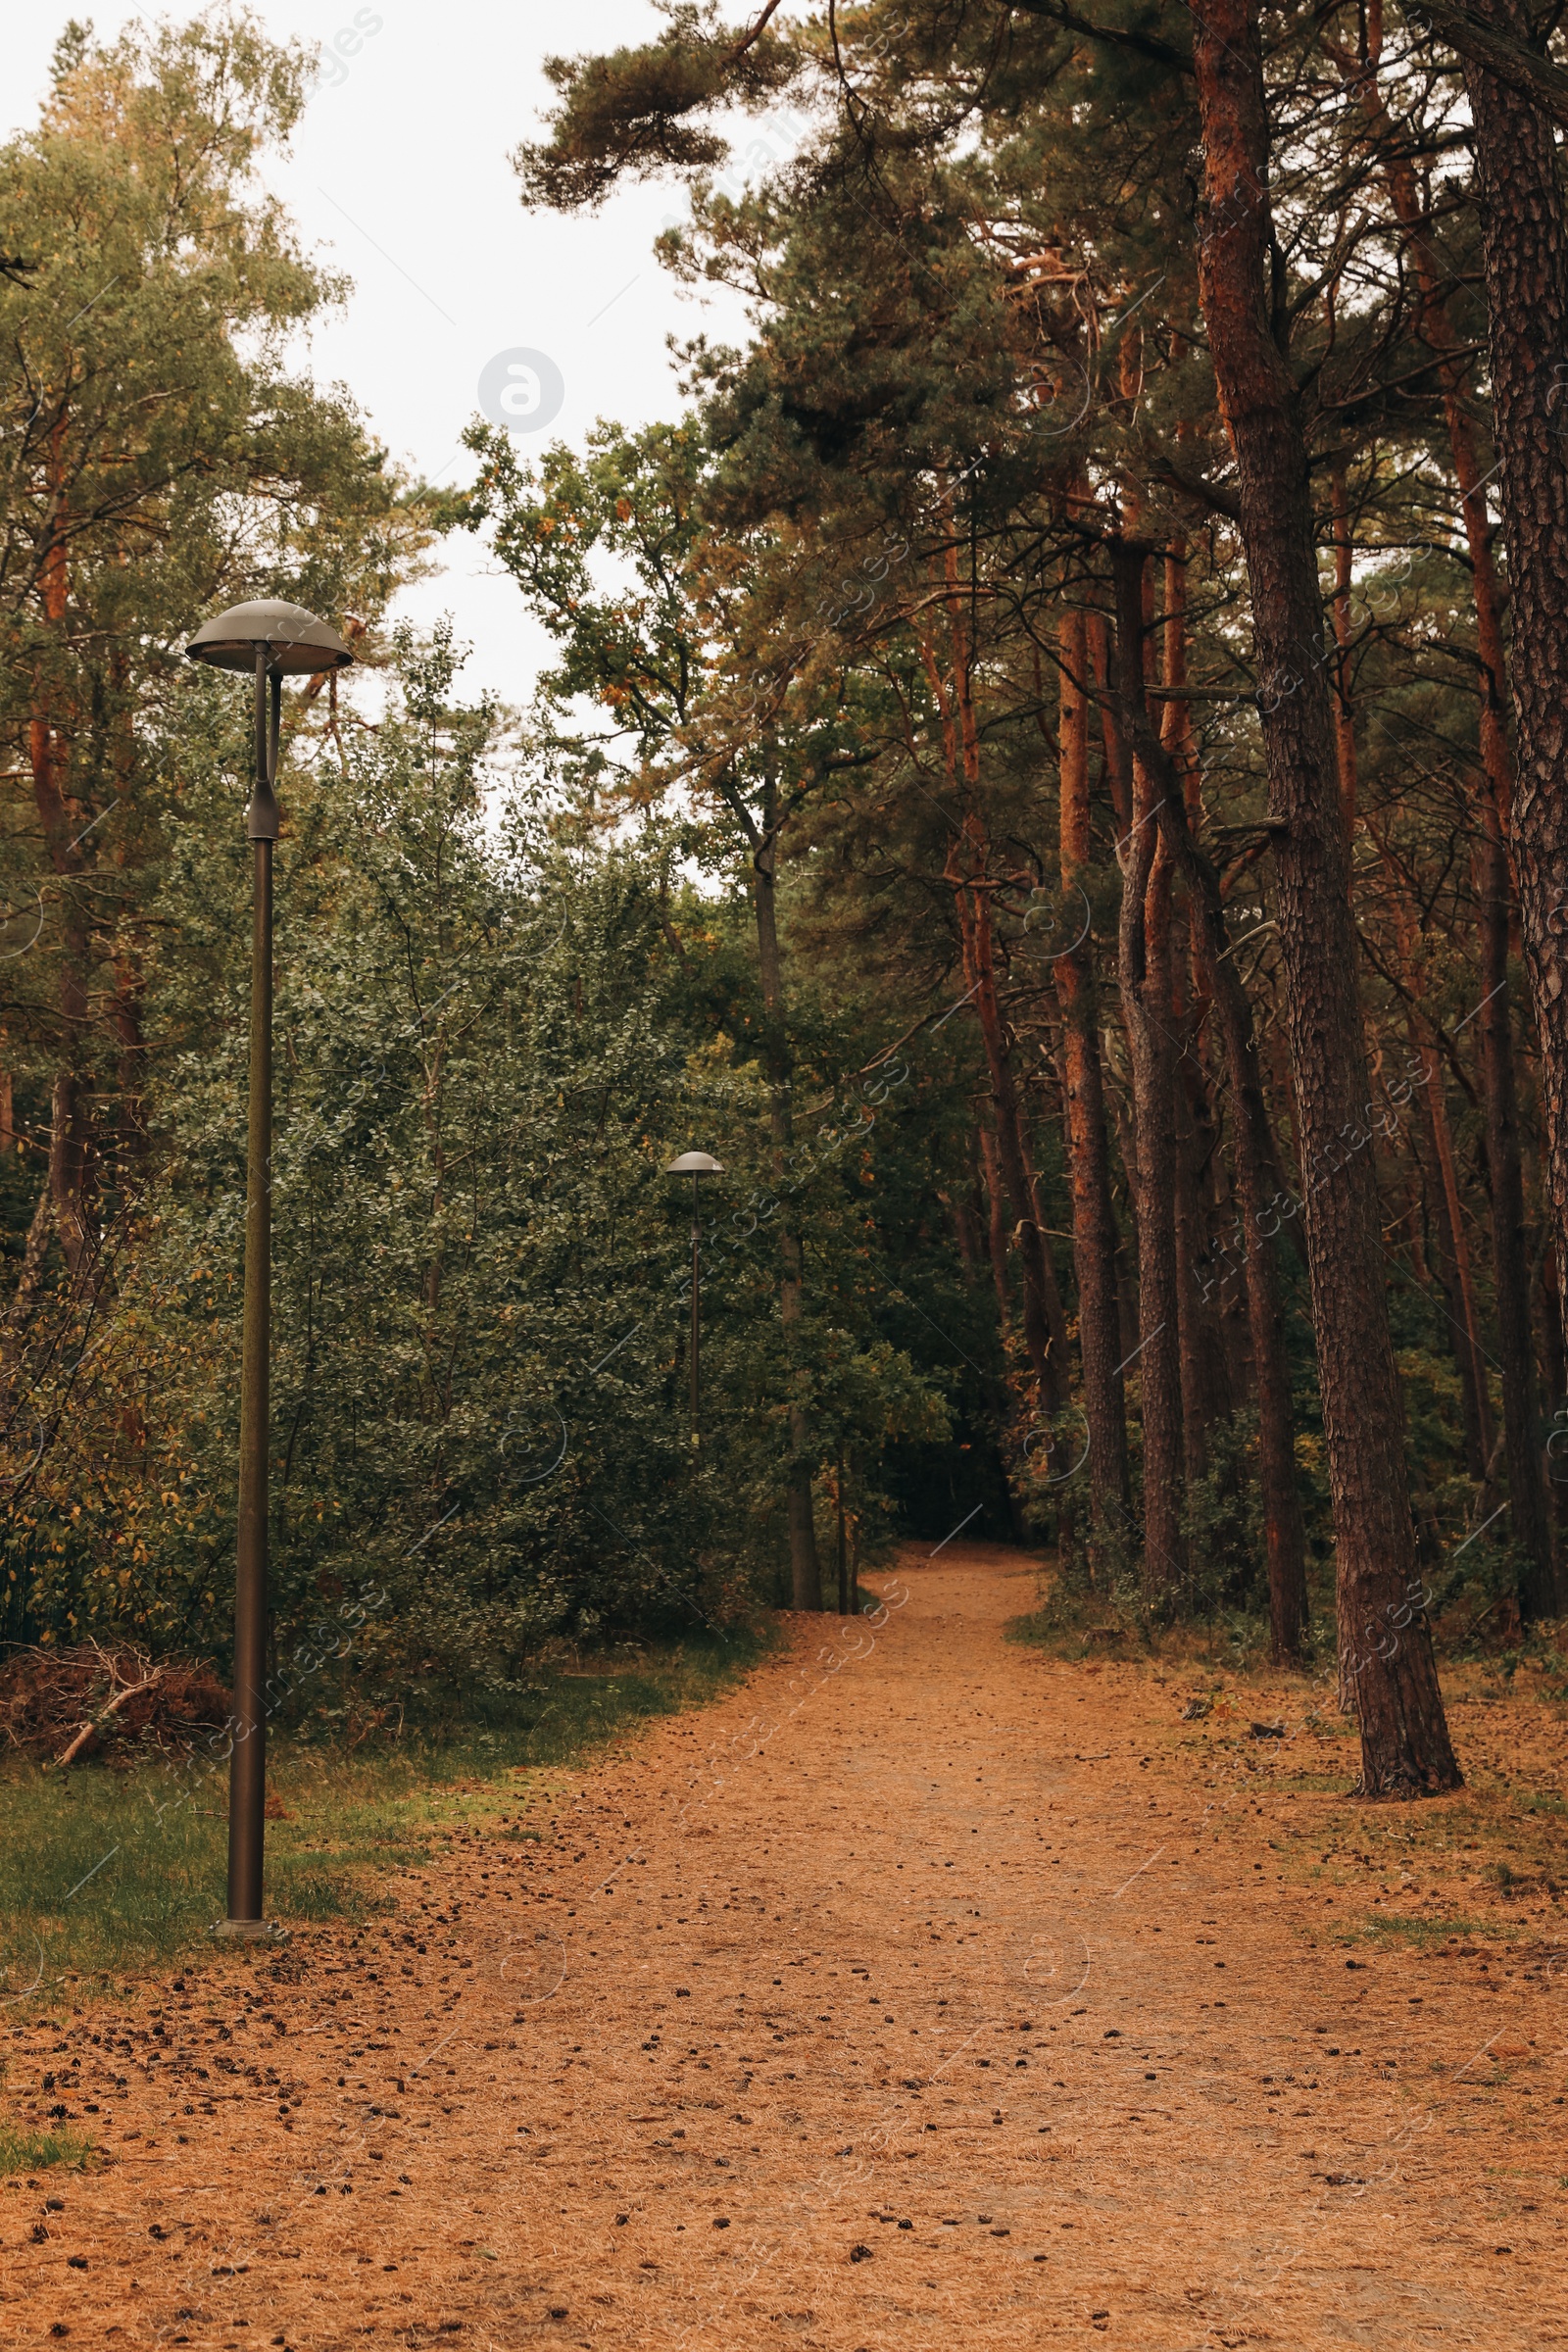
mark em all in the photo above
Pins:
pixel 270 640
pixel 696 1165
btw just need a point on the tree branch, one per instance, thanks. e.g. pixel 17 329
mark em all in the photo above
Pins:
pixel 1142 44
pixel 1496 52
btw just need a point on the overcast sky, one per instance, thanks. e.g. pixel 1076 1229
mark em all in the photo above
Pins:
pixel 399 175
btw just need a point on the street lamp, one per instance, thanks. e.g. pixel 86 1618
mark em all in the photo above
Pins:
pixel 696 1165
pixel 271 641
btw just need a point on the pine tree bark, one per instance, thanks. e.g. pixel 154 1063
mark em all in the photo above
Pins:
pixel 1094 1219
pixel 1205 1385
pixel 1529 1517
pixel 1456 1242
pixel 967 872
pixel 1556 1364
pixel 962 1216
pixel 1383 1638
pixel 1444 1276
pixel 1056 1312
pixel 996 1218
pixel 1144 971
pixel 1265 1209
pixel 1344 718
pixel 1206 1398
pixel 1119 765
pixel 1017 1172
pixel 1525 255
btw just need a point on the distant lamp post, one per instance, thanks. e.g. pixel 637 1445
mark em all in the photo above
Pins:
pixel 696 1165
pixel 269 641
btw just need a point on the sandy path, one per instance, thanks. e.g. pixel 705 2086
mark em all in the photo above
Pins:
pixel 920 1995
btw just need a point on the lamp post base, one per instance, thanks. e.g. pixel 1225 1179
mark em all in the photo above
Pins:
pixel 249 1930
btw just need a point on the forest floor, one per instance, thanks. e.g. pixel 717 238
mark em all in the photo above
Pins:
pixel 1027 2009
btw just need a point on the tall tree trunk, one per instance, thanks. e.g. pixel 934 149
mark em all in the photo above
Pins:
pixel 1204 1380
pixel 1056 1312
pixel 1012 1149
pixel 1118 766
pixel 1206 1398
pixel 967 873
pixel 996 1215
pixel 1440 1132
pixel 68 1161
pixel 1344 716
pixel 1529 1522
pixel 1264 1210
pixel 1222 1209
pixel 1556 1363
pixel 843 1546
pixel 1093 1220
pixel 1258 1201
pixel 1405 1734
pixel 1453 1275
pixel 1144 968
pixel 963 1233
pixel 1525 253
pixel 805 1567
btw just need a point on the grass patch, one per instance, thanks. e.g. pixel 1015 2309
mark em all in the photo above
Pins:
pixel 33 2151
pixel 104 1873
pixel 1424 1933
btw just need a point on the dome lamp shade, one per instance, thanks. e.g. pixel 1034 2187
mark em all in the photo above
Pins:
pixel 297 644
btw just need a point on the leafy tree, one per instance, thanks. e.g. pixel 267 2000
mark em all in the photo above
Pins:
pixel 160 459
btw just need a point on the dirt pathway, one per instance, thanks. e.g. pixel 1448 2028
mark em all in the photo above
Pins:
pixel 920 1994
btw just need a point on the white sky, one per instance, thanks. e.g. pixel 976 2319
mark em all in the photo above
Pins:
pixel 399 175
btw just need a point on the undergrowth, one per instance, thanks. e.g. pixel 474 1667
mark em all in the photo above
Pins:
pixel 104 1873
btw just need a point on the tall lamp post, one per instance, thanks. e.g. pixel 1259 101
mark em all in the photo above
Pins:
pixel 269 641
pixel 696 1165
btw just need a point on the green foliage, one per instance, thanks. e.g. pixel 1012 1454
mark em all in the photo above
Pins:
pixel 480 1435
pixel 161 457
pixel 631 112
pixel 1224 1525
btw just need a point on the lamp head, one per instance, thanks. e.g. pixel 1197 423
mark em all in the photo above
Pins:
pixel 297 644
pixel 694 1164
